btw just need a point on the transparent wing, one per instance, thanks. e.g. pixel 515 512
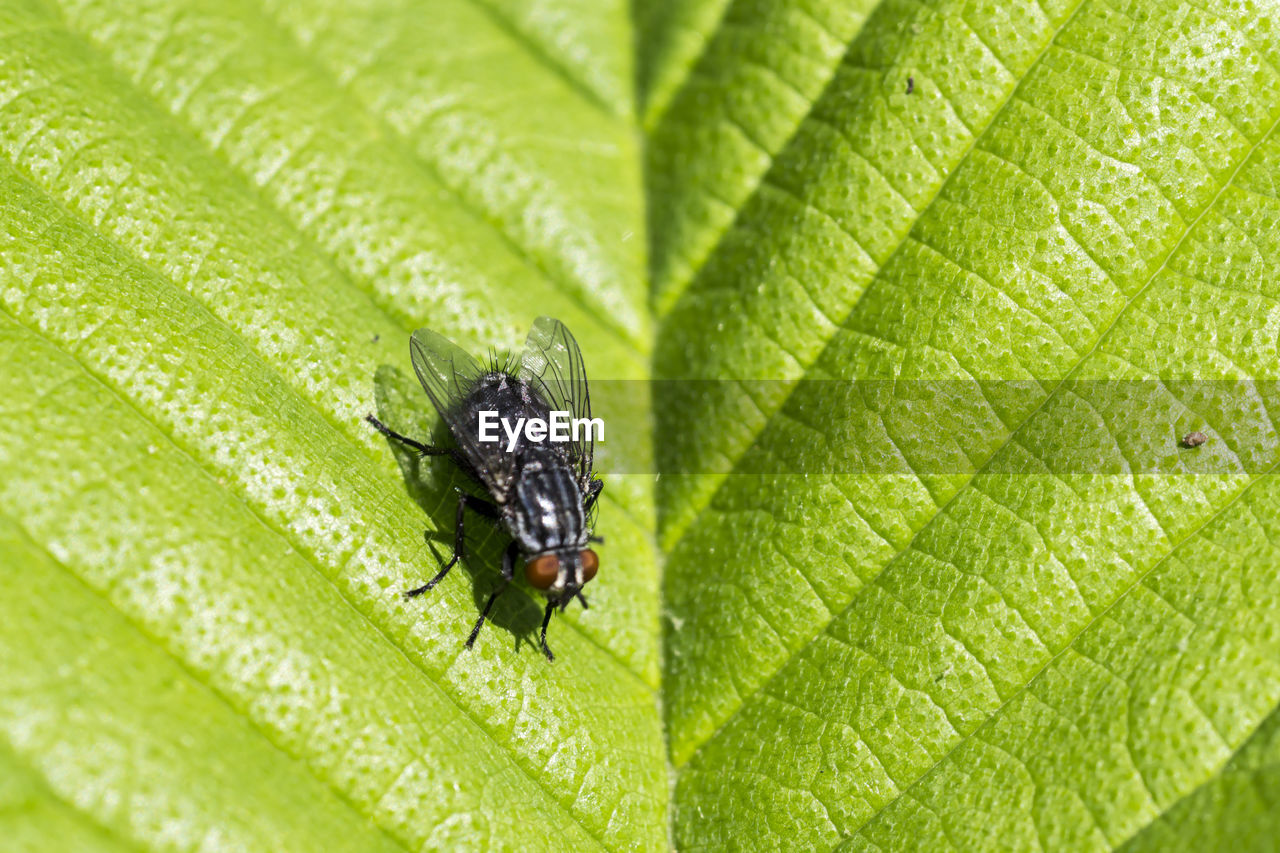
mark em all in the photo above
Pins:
pixel 552 364
pixel 448 373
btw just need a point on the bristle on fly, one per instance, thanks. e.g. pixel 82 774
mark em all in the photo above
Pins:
pixel 503 362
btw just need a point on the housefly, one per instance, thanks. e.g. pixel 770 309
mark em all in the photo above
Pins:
pixel 542 493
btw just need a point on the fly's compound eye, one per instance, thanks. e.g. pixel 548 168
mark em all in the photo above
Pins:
pixel 590 564
pixel 542 572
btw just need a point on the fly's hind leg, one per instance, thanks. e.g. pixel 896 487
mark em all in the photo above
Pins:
pixel 478 506
pixel 508 572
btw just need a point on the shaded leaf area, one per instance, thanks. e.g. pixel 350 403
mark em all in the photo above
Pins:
pixel 833 214
pixel 209 247
pixel 1088 194
pixel 670 35
pixel 1235 809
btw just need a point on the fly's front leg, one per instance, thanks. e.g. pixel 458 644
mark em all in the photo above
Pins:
pixel 542 639
pixel 478 506
pixel 423 449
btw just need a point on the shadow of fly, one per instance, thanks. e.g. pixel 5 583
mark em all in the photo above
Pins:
pixel 543 493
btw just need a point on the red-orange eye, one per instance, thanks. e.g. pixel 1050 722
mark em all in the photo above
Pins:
pixel 590 564
pixel 542 571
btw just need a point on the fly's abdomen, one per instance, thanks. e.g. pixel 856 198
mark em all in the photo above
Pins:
pixel 547 508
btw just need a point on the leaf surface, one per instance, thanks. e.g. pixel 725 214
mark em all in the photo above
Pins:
pixel 1033 618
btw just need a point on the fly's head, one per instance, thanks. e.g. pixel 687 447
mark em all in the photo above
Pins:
pixel 560 575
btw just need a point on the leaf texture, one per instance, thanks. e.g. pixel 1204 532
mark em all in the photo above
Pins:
pixel 220 221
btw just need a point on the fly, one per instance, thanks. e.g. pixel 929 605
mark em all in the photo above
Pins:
pixel 542 494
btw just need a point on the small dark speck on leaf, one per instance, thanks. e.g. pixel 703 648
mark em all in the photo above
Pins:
pixel 375 339
pixel 911 85
pixel 1194 439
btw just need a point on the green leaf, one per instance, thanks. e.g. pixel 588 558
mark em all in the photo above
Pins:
pixel 1042 235
pixel 1017 650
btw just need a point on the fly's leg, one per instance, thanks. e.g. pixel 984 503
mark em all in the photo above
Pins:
pixel 482 507
pixel 542 639
pixel 508 571
pixel 478 506
pixel 416 591
pixel 423 449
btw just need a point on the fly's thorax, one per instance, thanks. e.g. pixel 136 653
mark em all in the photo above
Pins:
pixel 508 397
pixel 499 390
pixel 545 512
